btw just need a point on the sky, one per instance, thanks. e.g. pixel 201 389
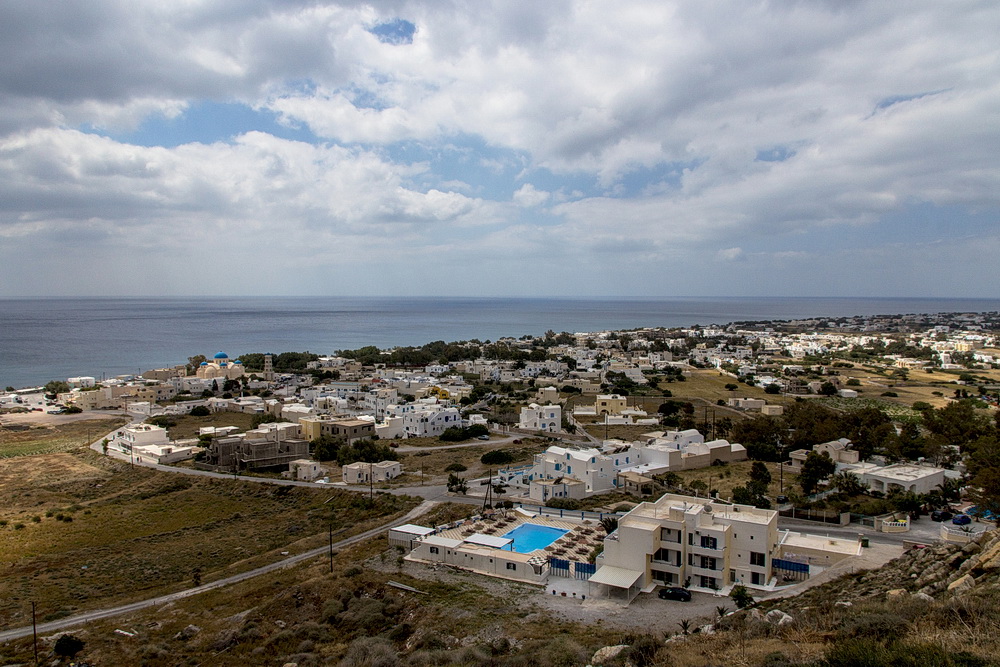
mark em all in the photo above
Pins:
pixel 515 148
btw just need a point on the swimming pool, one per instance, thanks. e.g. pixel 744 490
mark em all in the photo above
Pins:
pixel 530 537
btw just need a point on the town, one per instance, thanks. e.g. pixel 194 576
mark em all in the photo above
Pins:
pixel 742 460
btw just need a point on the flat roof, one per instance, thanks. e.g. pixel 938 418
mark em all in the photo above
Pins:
pixel 489 540
pixel 439 541
pixel 412 529
pixel 617 577
pixel 903 471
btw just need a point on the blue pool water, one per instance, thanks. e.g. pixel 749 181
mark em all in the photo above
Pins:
pixel 530 537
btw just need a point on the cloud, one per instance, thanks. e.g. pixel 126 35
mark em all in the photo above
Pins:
pixel 527 196
pixel 582 131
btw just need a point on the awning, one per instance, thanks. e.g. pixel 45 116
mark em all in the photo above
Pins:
pixel 617 577
pixel 489 540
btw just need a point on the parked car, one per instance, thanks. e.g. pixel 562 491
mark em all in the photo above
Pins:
pixel 782 499
pixel 941 515
pixel 483 437
pixel 674 593
pixel 961 519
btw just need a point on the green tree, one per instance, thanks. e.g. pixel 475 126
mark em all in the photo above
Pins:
pixel 200 411
pixel 457 484
pixel 55 387
pixel 760 474
pixel 741 596
pixel 815 469
pixel 827 389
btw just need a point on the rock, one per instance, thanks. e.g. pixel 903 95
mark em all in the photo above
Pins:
pixel 920 595
pixel 962 583
pixel 843 603
pixel 706 629
pixel 188 632
pixel 281 624
pixel 895 593
pixel 778 618
pixel 607 654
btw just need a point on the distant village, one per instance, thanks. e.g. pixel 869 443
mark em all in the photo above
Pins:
pixel 558 387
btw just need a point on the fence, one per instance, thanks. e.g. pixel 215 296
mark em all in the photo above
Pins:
pixel 823 516
pixel 568 514
pixel 791 570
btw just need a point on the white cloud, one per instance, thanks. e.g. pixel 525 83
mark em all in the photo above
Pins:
pixel 528 196
pixel 639 131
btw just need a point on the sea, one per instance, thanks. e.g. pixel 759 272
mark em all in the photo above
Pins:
pixel 56 338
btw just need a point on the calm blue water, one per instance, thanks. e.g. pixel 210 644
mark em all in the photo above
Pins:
pixel 47 339
pixel 530 537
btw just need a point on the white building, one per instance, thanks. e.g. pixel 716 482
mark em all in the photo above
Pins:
pixel 560 472
pixel 366 473
pixel 679 540
pixel 541 418
pixel 429 420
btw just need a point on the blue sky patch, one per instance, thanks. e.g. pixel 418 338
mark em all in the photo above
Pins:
pixel 205 122
pixel 774 154
pixel 396 31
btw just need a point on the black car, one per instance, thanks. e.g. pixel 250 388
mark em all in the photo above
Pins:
pixel 940 515
pixel 672 593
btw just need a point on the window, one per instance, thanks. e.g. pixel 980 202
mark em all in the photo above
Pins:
pixel 707 563
pixel 756 559
pixel 757 579
pixel 435 550
pixel 709 542
pixel 511 566
pixel 708 582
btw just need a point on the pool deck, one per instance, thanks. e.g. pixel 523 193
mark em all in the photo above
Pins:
pixel 579 541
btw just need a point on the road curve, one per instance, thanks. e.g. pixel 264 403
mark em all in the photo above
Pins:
pixel 53 626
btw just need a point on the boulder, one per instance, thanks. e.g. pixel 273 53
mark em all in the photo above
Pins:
pixel 920 595
pixel 188 632
pixel 895 594
pixel 843 603
pixel 778 618
pixel 607 654
pixel 962 583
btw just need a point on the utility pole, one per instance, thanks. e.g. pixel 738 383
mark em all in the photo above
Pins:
pixel 489 490
pixel 34 632
pixel 331 542
pixel 371 483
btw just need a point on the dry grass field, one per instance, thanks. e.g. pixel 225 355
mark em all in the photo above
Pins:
pixel 187 426
pixel 25 435
pixel 81 531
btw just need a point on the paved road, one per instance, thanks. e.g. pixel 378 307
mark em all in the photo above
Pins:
pixel 86 617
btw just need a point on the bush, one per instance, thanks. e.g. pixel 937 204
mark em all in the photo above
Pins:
pixel 497 457
pixel 883 626
pixel 68 646
pixel 455 467
pixel 200 411
pixel 563 503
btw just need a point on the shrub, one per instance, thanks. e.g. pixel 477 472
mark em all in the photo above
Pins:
pixel 200 411
pixel 455 467
pixel 18 526
pixel 68 646
pixel 563 503
pixel 882 626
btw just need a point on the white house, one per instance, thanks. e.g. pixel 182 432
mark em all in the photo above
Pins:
pixel 365 473
pixel 541 418
pixel 430 420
